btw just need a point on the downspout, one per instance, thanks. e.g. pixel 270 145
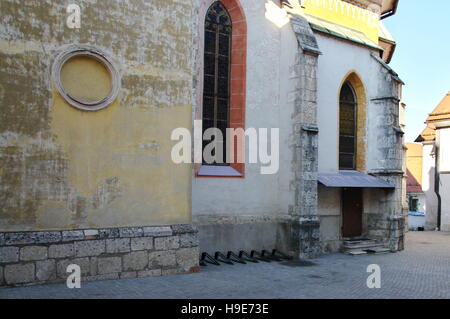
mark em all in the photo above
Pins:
pixel 437 188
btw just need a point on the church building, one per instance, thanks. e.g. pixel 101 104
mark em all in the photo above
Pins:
pixel 91 96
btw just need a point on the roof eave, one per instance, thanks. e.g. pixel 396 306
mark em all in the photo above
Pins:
pixel 390 12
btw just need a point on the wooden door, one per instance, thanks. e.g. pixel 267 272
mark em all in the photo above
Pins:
pixel 352 209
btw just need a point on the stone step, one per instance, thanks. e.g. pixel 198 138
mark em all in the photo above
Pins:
pixel 380 250
pixel 358 242
pixel 356 252
pixel 362 246
pixel 373 250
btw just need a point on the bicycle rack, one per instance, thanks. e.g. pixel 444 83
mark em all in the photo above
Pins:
pixel 209 259
pixel 258 256
pixel 244 256
pixel 221 257
pixel 268 255
pixel 232 256
pixel 281 255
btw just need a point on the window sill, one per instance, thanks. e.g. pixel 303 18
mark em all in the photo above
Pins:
pixel 217 171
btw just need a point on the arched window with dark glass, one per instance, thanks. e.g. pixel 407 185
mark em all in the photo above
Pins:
pixel 217 57
pixel 347 127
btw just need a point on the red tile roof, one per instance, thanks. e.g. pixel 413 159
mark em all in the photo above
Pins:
pixel 412 185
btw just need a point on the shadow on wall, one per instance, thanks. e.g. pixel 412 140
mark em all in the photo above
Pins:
pixel 432 200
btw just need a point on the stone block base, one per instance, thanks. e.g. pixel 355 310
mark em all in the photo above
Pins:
pixel 301 237
pixel 28 258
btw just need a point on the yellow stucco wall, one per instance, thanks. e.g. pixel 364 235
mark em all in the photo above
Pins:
pixel 345 14
pixel 414 160
pixel 63 168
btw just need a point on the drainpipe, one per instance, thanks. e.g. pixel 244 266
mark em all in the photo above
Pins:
pixel 437 187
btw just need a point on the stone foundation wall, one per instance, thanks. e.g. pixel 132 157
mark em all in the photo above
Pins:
pixel 102 254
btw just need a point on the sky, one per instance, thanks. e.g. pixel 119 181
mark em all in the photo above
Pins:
pixel 422 57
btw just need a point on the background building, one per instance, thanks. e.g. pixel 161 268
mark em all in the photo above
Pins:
pixel 436 166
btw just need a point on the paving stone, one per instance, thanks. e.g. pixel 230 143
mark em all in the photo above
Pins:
pixel 19 273
pixel 118 245
pixel 166 243
pixel 46 270
pixel 162 259
pixel 61 251
pixel 157 231
pixel 142 243
pixel 137 260
pixel 101 277
pixel 330 276
pixel 28 253
pixel 108 265
pixel 2 281
pixel 89 248
pixel 9 254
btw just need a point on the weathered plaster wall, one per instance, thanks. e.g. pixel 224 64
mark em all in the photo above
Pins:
pixel 428 177
pixel 339 61
pixel 330 214
pixel 64 168
pixel 445 196
pixel 223 208
pixel 444 169
pixel 380 147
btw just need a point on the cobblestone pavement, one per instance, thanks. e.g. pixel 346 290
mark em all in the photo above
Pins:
pixel 421 271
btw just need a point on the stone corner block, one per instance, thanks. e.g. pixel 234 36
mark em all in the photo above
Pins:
pixel 189 240
pixel 184 229
pixel 187 258
pixel 157 231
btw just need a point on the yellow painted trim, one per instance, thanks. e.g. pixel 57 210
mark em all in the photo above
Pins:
pixel 345 14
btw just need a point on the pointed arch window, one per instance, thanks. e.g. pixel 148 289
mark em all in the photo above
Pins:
pixel 217 68
pixel 347 127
